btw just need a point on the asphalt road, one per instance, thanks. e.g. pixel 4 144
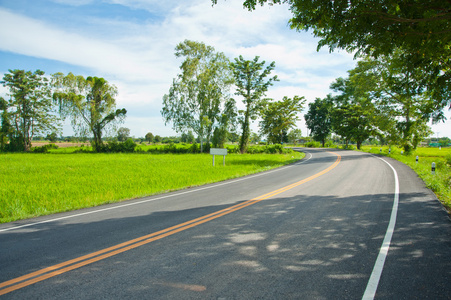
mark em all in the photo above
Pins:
pixel 311 230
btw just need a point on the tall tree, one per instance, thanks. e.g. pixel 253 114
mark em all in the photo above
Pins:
pixel 30 109
pixel 278 117
pixel 5 126
pixel 90 103
pixel 187 137
pixel 149 137
pixel 198 95
pixel 251 83
pixel 123 134
pixel 226 123
pixel 354 114
pixel 421 28
pixel 294 135
pixel 400 93
pixel 352 122
pixel 318 119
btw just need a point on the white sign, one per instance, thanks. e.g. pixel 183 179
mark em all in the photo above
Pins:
pixel 218 151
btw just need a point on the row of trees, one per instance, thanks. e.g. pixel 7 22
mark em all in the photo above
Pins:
pixel 382 98
pixel 199 99
pixel 405 50
pixel 38 104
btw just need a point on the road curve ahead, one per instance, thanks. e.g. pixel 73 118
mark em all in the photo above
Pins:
pixel 335 225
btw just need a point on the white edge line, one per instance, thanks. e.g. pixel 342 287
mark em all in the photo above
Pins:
pixel 373 282
pixel 158 198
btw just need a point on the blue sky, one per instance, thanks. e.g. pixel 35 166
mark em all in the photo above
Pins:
pixel 131 44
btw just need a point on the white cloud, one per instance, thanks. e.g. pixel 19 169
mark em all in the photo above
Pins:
pixel 45 41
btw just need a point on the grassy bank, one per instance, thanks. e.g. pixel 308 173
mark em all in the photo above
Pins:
pixel 40 184
pixel 440 182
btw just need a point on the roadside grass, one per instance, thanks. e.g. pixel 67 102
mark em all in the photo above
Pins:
pixel 40 184
pixel 440 182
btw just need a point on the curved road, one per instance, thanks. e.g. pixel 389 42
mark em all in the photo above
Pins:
pixel 336 225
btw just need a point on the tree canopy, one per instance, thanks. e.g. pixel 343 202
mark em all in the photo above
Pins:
pixel 198 95
pixel 251 84
pixel 123 134
pixel 372 27
pixel 421 29
pixel 280 116
pixel 398 94
pixel 29 110
pixel 318 118
pixel 90 103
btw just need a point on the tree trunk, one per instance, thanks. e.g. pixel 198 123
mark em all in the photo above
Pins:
pixel 245 135
pixel 97 139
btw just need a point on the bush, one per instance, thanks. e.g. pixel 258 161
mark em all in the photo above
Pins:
pixel 313 144
pixel 195 148
pixel 115 147
pixel 233 149
pixel 448 159
pixel 349 147
pixel 129 145
pixel 44 149
pixel 330 144
pixel 270 149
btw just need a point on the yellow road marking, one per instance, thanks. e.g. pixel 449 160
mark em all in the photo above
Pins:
pixel 46 273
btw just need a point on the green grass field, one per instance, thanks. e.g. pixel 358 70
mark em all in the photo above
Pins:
pixel 440 182
pixel 39 184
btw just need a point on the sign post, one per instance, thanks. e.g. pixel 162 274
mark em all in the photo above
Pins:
pixel 218 151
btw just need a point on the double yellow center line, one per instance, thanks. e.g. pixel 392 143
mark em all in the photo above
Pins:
pixel 43 274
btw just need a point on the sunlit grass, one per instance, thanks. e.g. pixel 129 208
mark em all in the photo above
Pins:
pixel 40 184
pixel 440 181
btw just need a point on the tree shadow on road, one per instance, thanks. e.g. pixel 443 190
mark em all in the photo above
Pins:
pixel 301 247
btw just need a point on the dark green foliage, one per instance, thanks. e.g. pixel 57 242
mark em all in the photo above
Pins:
pixel 29 110
pixel 280 116
pixel 157 139
pixel 187 137
pixel 115 147
pixel 448 159
pixel 198 96
pixel 149 137
pixel 231 149
pixel 318 119
pixel 90 103
pixel 123 134
pixel 251 84
pixel 219 137
pixel 44 149
pixel 52 137
pixel 175 149
pixel 420 28
pixel 312 144
pixel 269 149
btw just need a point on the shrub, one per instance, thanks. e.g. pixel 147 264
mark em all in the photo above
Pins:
pixel 233 149
pixel 115 147
pixel 331 144
pixel 313 144
pixel 349 147
pixel 448 159
pixel 44 149
pixel 269 149
pixel 195 148
pixel 129 145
